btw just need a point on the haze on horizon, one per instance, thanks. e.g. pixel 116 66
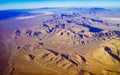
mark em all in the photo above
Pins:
pixel 22 4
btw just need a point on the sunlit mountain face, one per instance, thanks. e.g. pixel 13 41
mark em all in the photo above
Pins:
pixel 72 37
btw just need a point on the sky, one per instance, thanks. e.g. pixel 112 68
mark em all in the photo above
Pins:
pixel 22 4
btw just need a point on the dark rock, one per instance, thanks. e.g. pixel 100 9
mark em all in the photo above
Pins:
pixel 41 44
pixel 82 31
pixel 61 33
pixel 65 56
pixel 45 55
pixel 31 56
pixel 72 61
pixel 45 25
pixel 37 33
pixel 117 33
pixel 91 28
pixel 94 29
pixel 65 15
pixel 97 20
pixel 107 49
pixel 63 26
pixel 86 36
pixel 18 32
pixel 111 54
pixel 83 43
pixel 49 30
pixel 18 47
pixel 80 35
pixel 54 52
pixel 57 26
pixel 83 58
pixel 69 21
pixel 29 32
pixel 68 33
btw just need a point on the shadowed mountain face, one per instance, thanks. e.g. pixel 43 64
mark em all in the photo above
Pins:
pixel 113 55
pixel 60 41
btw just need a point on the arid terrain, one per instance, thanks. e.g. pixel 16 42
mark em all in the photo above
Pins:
pixel 60 41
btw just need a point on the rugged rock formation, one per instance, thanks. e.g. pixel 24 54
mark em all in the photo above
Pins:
pixel 65 43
